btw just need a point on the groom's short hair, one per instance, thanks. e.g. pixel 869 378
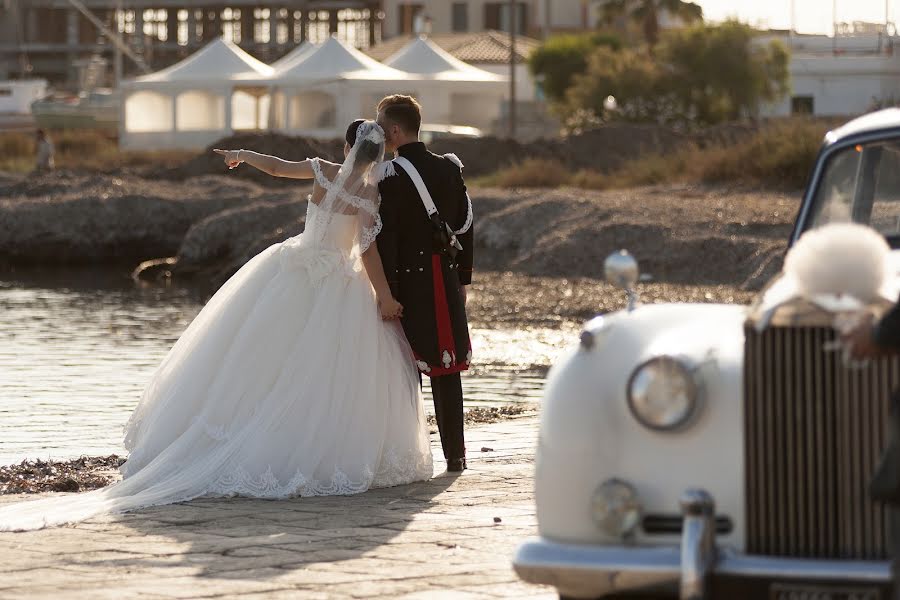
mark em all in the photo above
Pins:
pixel 401 110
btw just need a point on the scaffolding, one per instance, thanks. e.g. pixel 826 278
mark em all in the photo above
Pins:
pixel 48 38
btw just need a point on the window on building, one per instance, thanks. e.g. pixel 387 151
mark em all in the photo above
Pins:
pixel 496 16
pixel 407 17
pixel 125 21
pixel 230 21
pixel 297 28
pixel 184 34
pixel 318 26
pixel 282 29
pixel 156 24
pixel 353 26
pixel 802 105
pixel 261 25
pixel 460 16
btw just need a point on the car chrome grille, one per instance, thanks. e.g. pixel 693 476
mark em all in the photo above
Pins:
pixel 814 431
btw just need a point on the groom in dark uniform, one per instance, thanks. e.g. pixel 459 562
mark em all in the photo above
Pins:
pixel 428 262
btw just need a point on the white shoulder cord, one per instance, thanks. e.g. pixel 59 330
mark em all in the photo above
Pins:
pixel 386 169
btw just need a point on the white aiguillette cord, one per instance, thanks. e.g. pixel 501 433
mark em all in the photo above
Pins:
pixel 427 200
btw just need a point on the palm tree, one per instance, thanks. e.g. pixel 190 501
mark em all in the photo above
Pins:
pixel 646 14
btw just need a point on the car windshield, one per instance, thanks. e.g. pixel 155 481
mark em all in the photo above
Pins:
pixel 862 184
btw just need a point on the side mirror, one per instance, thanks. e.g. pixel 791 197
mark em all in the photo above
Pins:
pixel 621 270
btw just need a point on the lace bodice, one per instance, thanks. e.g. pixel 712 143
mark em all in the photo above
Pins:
pixel 337 207
pixel 339 231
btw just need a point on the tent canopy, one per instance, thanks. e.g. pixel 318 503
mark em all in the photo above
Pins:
pixel 218 61
pixel 425 58
pixel 294 56
pixel 335 60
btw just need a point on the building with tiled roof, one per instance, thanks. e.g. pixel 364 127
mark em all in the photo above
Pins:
pixel 481 48
pixel 487 50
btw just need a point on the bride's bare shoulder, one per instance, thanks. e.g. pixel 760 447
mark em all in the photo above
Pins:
pixel 329 169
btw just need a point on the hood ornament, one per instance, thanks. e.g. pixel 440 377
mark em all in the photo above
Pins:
pixel 621 270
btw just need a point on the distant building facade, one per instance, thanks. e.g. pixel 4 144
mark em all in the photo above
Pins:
pixel 852 73
pixel 52 40
pixel 534 18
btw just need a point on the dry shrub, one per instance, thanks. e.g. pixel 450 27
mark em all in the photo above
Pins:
pixel 80 149
pixel 531 172
pixel 779 155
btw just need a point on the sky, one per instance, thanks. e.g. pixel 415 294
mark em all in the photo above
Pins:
pixel 811 16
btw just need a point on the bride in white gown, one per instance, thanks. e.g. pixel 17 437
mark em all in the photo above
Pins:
pixel 288 382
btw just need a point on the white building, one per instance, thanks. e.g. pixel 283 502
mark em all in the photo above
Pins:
pixel 839 76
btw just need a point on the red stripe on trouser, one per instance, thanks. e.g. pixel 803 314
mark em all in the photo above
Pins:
pixel 442 314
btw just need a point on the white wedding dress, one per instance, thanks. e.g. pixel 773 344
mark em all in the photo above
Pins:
pixel 287 383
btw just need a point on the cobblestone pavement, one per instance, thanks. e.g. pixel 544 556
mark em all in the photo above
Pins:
pixel 451 537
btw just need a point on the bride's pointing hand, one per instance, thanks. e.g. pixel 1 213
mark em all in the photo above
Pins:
pixel 232 157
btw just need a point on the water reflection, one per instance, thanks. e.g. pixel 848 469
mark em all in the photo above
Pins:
pixel 77 347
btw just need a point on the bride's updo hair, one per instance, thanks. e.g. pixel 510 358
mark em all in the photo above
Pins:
pixel 368 151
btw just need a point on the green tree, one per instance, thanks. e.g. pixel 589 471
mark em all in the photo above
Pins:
pixel 636 81
pixel 562 57
pixel 646 14
pixel 701 75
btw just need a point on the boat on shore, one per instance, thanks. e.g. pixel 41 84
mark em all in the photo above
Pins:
pixel 16 97
pixel 96 109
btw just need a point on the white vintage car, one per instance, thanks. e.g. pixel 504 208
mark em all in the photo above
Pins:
pixel 694 450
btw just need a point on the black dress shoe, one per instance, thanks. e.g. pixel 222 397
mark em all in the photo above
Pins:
pixel 456 465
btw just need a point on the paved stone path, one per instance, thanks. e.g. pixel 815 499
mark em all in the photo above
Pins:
pixel 451 537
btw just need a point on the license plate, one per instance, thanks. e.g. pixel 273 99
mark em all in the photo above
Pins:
pixel 822 592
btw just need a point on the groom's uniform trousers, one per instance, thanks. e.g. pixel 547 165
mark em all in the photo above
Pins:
pixel 427 280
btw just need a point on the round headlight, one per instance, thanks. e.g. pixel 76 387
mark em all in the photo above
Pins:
pixel 662 393
pixel 615 507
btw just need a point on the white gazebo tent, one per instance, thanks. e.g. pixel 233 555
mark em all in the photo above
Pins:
pixel 294 56
pixel 456 92
pixel 209 94
pixel 319 93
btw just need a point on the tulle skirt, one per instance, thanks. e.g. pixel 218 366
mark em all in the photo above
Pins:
pixel 287 383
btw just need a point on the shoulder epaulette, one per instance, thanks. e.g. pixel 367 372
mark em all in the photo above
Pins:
pixel 454 159
pixel 384 170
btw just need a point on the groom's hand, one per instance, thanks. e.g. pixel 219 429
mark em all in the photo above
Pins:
pixel 390 309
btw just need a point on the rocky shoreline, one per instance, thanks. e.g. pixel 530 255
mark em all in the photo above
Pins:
pixel 201 230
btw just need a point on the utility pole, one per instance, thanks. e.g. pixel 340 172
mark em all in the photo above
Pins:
pixel 512 68
pixel 117 56
pixel 834 27
pixel 548 18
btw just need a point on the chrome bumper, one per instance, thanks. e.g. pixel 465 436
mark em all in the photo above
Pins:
pixel 582 571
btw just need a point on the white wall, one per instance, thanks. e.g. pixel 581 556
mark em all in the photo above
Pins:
pixel 841 85
pixel 474 110
pixel 526 89
pixel 147 111
pixel 16 96
pixel 199 110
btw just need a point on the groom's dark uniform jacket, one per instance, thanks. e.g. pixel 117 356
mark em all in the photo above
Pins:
pixel 426 279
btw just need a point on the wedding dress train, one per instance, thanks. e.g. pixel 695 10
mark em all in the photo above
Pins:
pixel 287 383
